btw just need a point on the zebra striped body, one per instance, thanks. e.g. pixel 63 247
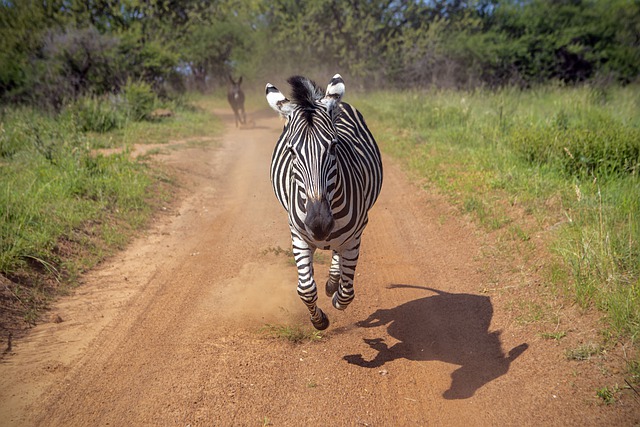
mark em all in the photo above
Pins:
pixel 326 172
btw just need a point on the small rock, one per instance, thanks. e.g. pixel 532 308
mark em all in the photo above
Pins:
pixel 383 372
pixel 56 318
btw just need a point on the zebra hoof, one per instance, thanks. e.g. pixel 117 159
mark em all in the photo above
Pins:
pixel 336 303
pixel 331 288
pixel 322 324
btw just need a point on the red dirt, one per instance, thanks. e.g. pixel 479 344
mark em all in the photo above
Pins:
pixel 169 332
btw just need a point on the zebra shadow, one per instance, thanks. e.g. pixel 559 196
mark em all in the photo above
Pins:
pixel 452 328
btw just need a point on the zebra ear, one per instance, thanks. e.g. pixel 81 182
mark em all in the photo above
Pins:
pixel 335 91
pixel 278 101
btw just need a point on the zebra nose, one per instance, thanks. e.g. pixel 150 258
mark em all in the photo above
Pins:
pixel 319 219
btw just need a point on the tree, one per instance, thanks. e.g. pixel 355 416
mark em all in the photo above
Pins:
pixel 569 40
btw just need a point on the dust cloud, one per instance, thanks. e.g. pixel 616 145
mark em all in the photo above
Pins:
pixel 261 293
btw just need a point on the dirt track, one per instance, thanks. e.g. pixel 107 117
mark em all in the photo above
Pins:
pixel 169 332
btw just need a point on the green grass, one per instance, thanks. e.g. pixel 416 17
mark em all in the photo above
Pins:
pixel 583 352
pixel 293 333
pixel 633 367
pixel 278 251
pixel 557 336
pixel 192 119
pixel 557 161
pixel 63 206
pixel 607 395
pixel 531 312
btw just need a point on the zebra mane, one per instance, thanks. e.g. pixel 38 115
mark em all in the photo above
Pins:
pixel 305 94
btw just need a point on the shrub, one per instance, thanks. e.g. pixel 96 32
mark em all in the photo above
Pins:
pixel 97 114
pixel 608 149
pixel 140 100
pixel 25 132
pixel 72 63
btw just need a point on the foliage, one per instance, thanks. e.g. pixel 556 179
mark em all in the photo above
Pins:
pixel 22 28
pixel 458 44
pixel 140 100
pixel 55 52
pixel 566 157
pixel 607 395
pixel 570 41
pixel 597 146
pixel 97 114
pixel 220 40
pixel 64 205
pixel 52 184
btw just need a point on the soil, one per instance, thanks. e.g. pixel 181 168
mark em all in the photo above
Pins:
pixel 442 332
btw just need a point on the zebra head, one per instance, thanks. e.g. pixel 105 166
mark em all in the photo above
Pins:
pixel 311 142
pixel 235 85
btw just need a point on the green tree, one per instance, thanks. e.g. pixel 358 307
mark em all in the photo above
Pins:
pixel 570 40
pixel 22 26
pixel 210 47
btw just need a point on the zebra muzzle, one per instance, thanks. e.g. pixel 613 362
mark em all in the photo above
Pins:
pixel 319 219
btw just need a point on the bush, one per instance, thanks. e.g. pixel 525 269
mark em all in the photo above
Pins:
pixel 606 149
pixel 72 63
pixel 140 100
pixel 26 133
pixel 97 114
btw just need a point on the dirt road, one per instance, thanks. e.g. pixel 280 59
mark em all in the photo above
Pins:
pixel 169 331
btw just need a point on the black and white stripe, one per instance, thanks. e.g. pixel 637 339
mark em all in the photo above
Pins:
pixel 326 172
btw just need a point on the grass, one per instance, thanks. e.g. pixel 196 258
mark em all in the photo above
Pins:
pixel 607 395
pixel 295 334
pixel 530 312
pixel 562 162
pixel 557 336
pixel 278 251
pixel 190 122
pixel 583 352
pixel 65 207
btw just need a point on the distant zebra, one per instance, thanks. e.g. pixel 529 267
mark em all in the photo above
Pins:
pixel 235 96
pixel 326 172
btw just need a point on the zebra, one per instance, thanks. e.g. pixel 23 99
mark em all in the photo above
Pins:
pixel 235 96
pixel 326 171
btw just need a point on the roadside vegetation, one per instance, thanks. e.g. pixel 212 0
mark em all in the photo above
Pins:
pixel 65 206
pixel 561 161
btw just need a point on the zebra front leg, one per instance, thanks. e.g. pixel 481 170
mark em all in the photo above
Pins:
pixel 307 290
pixel 333 282
pixel 348 262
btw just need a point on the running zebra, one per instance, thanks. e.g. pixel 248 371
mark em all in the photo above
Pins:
pixel 326 172
pixel 235 96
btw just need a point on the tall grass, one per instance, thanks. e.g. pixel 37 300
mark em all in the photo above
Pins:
pixel 569 158
pixel 64 206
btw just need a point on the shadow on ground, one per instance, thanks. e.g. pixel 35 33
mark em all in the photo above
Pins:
pixel 452 328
